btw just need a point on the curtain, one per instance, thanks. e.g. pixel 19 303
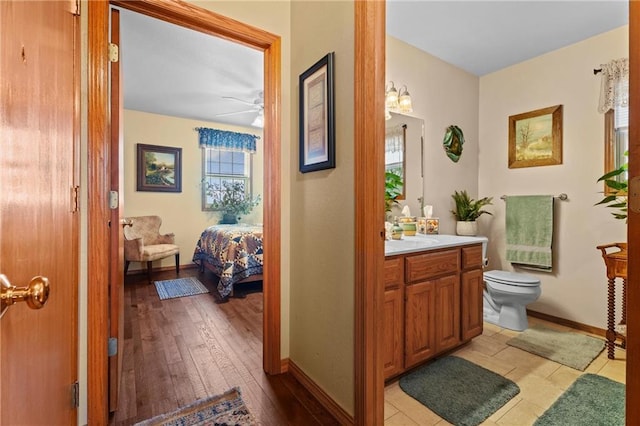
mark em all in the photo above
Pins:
pixel 614 86
pixel 394 139
pixel 230 141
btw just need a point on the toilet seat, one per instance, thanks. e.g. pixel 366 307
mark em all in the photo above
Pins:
pixel 511 278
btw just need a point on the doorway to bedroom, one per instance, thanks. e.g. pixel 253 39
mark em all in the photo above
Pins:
pixel 181 349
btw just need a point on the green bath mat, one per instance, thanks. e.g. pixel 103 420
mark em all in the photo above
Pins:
pixel 459 391
pixel 591 400
pixel 571 349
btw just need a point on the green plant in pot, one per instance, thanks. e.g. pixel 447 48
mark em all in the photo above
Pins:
pixel 467 211
pixel 392 190
pixel 231 198
pixel 616 197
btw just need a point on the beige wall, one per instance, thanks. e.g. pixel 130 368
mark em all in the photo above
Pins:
pixel 442 95
pixel 576 290
pixel 181 212
pixel 322 212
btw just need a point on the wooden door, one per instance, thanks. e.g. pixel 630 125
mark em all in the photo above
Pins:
pixel 447 312
pixel 419 322
pixel 39 79
pixel 116 258
pixel 471 305
pixel 393 325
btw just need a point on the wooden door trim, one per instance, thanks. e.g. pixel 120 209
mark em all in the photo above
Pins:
pixel 208 22
pixel 369 231
pixel 633 230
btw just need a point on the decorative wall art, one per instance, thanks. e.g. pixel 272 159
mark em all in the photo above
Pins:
pixel 317 129
pixel 452 142
pixel 535 138
pixel 159 168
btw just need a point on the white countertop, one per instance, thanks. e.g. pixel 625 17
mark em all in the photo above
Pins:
pixel 420 242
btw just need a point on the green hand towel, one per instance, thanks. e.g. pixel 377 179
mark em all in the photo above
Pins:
pixel 529 230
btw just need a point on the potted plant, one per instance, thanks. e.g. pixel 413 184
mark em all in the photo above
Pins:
pixel 392 190
pixel 230 198
pixel 616 198
pixel 468 211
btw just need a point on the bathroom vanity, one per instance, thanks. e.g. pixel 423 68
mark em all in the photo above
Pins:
pixel 433 297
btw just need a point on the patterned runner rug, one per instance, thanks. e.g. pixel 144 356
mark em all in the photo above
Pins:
pixel 220 410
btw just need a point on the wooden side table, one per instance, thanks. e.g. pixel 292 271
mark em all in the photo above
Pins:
pixel 616 262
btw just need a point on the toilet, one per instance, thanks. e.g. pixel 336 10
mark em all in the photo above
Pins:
pixel 506 296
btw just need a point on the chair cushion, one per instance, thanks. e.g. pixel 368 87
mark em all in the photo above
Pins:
pixel 158 251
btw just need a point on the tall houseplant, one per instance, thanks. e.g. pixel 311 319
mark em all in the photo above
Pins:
pixel 392 190
pixel 616 197
pixel 467 211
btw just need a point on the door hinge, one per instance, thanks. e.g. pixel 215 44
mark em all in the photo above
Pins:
pixel 75 206
pixel 112 346
pixel 113 52
pixel 77 11
pixel 75 395
pixel 113 200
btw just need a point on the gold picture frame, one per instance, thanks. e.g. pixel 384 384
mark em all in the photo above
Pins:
pixel 535 138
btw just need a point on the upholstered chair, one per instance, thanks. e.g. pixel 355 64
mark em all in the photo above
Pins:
pixel 143 242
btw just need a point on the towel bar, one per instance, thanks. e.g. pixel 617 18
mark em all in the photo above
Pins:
pixel 562 197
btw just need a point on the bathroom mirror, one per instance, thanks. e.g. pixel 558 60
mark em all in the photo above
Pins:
pixel 404 138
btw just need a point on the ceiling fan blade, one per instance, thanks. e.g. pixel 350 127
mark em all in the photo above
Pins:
pixel 236 112
pixel 239 100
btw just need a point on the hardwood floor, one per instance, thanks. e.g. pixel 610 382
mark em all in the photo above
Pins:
pixel 179 350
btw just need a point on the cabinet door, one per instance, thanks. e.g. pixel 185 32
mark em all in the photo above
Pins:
pixel 419 322
pixel 447 316
pixel 393 332
pixel 471 304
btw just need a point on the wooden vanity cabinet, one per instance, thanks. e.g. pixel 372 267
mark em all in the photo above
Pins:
pixel 436 286
pixel 393 316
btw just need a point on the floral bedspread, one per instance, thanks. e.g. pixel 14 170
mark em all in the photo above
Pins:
pixel 233 251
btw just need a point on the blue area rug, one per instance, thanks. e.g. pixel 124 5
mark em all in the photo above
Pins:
pixel 591 400
pixel 180 287
pixel 459 391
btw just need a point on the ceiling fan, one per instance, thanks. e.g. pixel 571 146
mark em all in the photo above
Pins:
pixel 257 105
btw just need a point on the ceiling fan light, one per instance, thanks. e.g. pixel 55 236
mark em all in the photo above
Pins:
pixel 259 121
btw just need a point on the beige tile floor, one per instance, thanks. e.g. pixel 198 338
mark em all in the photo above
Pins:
pixel 541 381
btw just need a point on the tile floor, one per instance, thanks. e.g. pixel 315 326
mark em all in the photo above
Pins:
pixel 541 381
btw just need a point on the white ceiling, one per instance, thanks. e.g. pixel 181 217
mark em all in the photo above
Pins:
pixel 179 72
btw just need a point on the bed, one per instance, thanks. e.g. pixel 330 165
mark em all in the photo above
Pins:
pixel 232 252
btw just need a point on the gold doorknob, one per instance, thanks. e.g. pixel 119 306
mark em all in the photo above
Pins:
pixel 35 294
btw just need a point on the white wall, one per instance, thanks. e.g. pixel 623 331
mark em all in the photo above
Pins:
pixel 576 290
pixel 322 212
pixel 181 212
pixel 442 95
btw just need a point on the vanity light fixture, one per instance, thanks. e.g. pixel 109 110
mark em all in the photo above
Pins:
pixel 404 101
pixel 397 101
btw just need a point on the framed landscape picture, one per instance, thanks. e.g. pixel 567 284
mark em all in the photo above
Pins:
pixel 535 138
pixel 159 168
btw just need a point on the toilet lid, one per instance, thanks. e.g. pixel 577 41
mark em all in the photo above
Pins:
pixel 512 278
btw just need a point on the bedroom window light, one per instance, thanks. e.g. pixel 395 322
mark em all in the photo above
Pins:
pixel 220 166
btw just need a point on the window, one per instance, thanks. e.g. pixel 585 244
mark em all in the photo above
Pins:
pixel 222 166
pixel 616 125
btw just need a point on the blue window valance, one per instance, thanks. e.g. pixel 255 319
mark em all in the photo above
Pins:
pixel 223 139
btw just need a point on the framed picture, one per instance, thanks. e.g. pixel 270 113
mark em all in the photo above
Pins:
pixel 535 138
pixel 159 168
pixel 317 129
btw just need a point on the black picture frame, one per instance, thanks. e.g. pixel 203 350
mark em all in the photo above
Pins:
pixel 159 168
pixel 317 116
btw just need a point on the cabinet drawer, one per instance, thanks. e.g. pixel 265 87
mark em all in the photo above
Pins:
pixel 429 265
pixel 472 257
pixel 393 272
